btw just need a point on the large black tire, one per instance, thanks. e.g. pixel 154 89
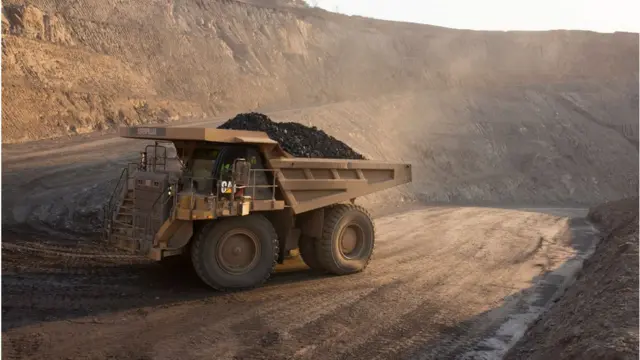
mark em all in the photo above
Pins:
pixel 343 224
pixel 309 253
pixel 249 240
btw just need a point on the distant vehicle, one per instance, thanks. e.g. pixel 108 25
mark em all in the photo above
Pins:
pixel 237 203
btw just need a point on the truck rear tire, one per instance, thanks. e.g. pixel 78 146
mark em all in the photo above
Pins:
pixel 309 253
pixel 348 239
pixel 235 253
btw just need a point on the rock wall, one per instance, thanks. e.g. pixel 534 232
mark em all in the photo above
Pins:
pixel 71 67
pixel 597 318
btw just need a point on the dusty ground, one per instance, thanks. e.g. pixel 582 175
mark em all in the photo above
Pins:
pixel 598 316
pixel 426 295
pixel 432 294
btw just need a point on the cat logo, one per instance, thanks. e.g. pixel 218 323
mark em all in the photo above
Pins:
pixel 226 187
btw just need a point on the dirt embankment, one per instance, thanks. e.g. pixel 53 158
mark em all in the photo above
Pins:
pixel 598 316
pixel 569 144
pixel 71 67
pixel 506 146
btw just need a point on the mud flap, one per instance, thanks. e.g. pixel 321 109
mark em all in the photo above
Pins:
pixel 283 222
pixel 174 234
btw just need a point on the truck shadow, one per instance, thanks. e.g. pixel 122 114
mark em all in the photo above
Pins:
pixel 59 291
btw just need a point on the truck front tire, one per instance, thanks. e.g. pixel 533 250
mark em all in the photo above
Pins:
pixel 348 239
pixel 235 253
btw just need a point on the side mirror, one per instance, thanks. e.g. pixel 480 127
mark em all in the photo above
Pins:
pixel 241 171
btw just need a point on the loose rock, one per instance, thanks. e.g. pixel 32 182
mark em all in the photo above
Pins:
pixel 296 139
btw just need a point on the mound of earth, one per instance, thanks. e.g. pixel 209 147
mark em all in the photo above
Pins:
pixel 72 67
pixel 598 317
pixel 276 3
pixel 296 139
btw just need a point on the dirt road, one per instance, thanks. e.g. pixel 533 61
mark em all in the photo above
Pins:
pixel 442 280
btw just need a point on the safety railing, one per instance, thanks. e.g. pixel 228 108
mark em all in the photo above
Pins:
pixel 253 186
pixel 119 193
pixel 155 161
pixel 152 220
pixel 189 183
pixel 108 209
pixel 113 205
pixel 145 223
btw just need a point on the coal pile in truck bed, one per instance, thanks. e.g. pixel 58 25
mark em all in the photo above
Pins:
pixel 296 139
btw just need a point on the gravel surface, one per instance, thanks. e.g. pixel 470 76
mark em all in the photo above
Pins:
pixel 426 295
pixel 597 318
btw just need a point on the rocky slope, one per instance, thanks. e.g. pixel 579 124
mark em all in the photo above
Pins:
pixel 568 144
pixel 70 67
pixel 598 316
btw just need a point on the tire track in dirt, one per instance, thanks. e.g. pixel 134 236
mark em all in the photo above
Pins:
pixel 435 273
pixel 436 286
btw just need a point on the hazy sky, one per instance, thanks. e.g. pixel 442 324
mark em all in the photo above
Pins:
pixel 596 15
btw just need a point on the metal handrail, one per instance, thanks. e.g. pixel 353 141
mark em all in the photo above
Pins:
pixel 252 182
pixel 254 186
pixel 155 157
pixel 121 188
pixel 107 223
pixel 151 215
pixel 120 180
pixel 144 222
pixel 120 192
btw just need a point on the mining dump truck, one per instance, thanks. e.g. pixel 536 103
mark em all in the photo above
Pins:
pixel 235 204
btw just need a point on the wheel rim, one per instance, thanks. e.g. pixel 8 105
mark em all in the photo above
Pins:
pixel 238 252
pixel 352 241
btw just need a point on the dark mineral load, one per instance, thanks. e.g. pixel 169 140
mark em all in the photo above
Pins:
pixel 296 139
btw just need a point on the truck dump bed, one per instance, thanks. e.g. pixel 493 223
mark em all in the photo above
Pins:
pixel 309 184
pixel 306 183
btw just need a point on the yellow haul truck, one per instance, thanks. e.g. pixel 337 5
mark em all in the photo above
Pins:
pixel 236 203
